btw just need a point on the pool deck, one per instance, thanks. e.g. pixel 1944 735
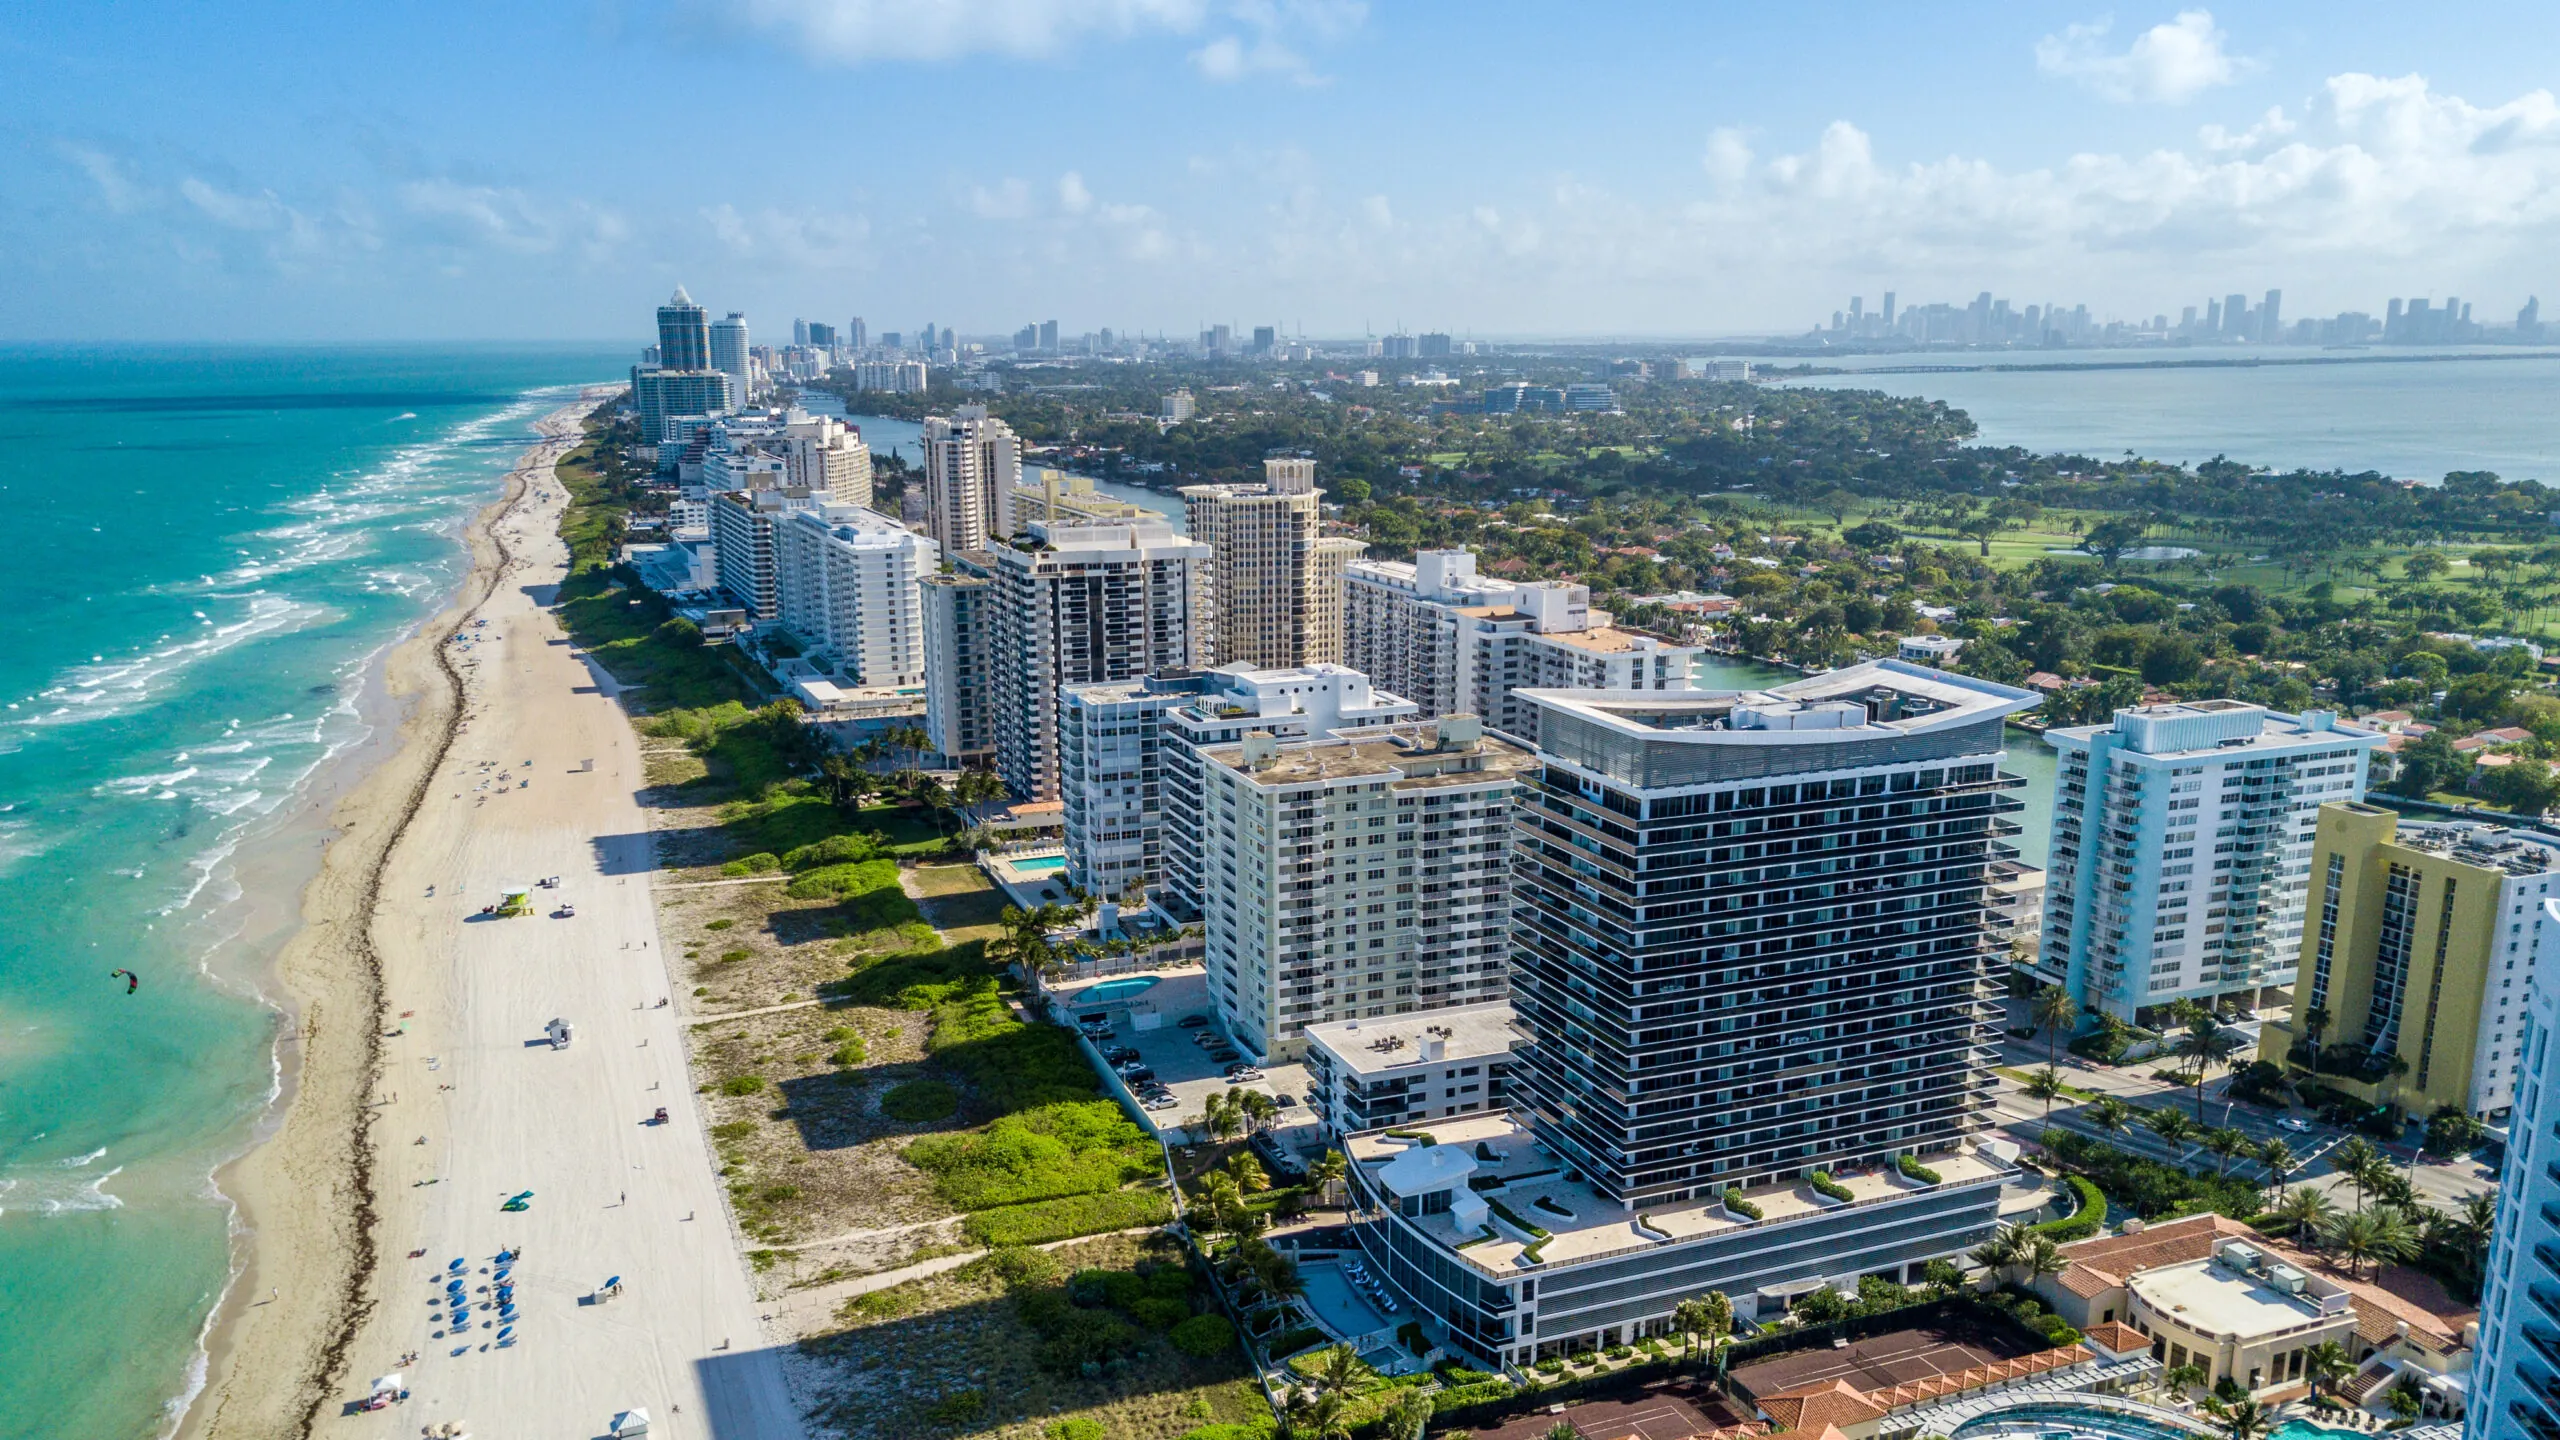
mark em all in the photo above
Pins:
pixel 1151 1024
pixel 1338 1304
pixel 1028 888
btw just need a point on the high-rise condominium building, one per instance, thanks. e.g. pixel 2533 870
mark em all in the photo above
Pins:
pixel 1076 604
pixel 826 456
pixel 1750 943
pixel 972 461
pixel 732 356
pixel 1455 642
pixel 1344 877
pixel 1129 764
pixel 684 335
pixel 1069 499
pixel 746 548
pixel 2515 1381
pixel 1275 581
pixel 846 580
pixel 665 398
pixel 958 641
pixel 2418 942
pixel 897 377
pixel 2181 846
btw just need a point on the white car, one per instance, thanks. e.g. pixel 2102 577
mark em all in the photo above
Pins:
pixel 2297 1126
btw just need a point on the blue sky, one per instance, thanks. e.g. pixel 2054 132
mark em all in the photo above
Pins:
pixel 468 170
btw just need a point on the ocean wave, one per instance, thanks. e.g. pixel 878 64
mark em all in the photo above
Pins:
pixel 105 688
pixel 48 1191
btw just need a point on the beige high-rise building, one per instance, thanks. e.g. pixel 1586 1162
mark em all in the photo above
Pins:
pixel 827 456
pixel 1275 583
pixel 972 461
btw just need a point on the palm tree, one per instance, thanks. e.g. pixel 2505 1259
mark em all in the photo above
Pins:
pixel 2204 1045
pixel 2179 1379
pixel 2310 1211
pixel 1326 1171
pixel 1226 1121
pixel 1689 1317
pixel 2227 1145
pixel 1258 1110
pixel 2040 1256
pixel 2169 1125
pixel 2244 1420
pixel 2000 1252
pixel 2354 1158
pixel 2109 1113
pixel 1339 1370
pixel 2277 1156
pixel 2054 1012
pixel 2325 1364
pixel 1250 1177
pixel 2473 1226
pixel 2380 1235
pixel 2046 1085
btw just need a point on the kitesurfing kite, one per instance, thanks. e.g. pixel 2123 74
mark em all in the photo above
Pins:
pixel 132 982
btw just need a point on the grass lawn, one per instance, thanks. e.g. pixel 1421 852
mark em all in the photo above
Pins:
pixel 2069 1092
pixel 1002 1347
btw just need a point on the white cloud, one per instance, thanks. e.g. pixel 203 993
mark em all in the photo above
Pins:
pixel 116 190
pixel 2170 62
pixel 489 217
pixel 1728 157
pixel 2271 127
pixel 854 32
pixel 803 240
pixel 1010 199
pixel 1072 196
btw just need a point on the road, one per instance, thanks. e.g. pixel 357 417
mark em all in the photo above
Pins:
pixel 2438 1182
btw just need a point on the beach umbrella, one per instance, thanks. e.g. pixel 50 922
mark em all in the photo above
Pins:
pixel 458 1263
pixel 387 1382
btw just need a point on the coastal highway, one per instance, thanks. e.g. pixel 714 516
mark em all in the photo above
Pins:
pixel 613 1195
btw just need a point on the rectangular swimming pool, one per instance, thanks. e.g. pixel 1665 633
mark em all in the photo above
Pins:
pixel 1039 864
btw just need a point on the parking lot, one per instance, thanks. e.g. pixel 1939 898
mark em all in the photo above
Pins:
pixel 1149 1019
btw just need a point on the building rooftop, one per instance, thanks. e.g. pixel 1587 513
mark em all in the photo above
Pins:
pixel 2399 1294
pixel 1876 699
pixel 1369 1047
pixel 1414 755
pixel 2216 1298
pixel 2213 729
pixel 1607 640
pixel 1583 1225
pixel 2491 847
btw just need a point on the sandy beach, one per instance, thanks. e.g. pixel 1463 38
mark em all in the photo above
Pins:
pixel 421 1092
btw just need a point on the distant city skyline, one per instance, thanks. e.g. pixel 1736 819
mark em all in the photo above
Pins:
pixel 1662 171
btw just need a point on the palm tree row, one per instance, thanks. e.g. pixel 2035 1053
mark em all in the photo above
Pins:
pixel 2114 1117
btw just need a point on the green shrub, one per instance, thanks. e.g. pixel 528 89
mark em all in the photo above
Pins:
pixel 848 1054
pixel 1158 1314
pixel 1088 1147
pixel 724 923
pixel 1043 1221
pixel 836 850
pixel 847 881
pixel 1260 1429
pixel 2080 1224
pixel 732 957
pixel 1734 1202
pixel 1204 1336
pixel 957 1408
pixel 1290 1342
pixel 1077 1427
pixel 1015 1266
pixel 760 863
pixel 920 1102
pixel 1824 1185
pixel 742 1085
pixel 2153 1189
pixel 1481 1392
pixel 1910 1165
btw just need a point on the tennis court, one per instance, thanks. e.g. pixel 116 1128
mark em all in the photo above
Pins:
pixel 1881 1362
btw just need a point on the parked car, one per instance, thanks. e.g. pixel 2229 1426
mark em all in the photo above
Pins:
pixel 1239 1077
pixel 1120 1054
pixel 1193 1022
pixel 1139 1076
pixel 2290 1123
pixel 1159 1102
pixel 1225 1057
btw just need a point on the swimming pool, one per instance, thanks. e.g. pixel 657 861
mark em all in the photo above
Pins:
pixel 2307 1430
pixel 1039 864
pixel 2084 1420
pixel 1110 990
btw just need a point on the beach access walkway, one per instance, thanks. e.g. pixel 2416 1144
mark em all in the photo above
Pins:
pixel 488 1108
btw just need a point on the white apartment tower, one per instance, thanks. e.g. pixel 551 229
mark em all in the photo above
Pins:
pixel 2181 849
pixel 826 456
pixel 1275 581
pixel 1357 876
pixel 957 637
pixel 2515 1381
pixel 1076 604
pixel 971 464
pixel 1129 763
pixel 848 586
pixel 731 355
pixel 1460 643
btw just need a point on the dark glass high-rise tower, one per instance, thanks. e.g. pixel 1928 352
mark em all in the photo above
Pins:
pixel 684 334
pixel 1752 935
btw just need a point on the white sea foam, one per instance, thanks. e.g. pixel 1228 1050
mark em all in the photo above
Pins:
pixel 47 1190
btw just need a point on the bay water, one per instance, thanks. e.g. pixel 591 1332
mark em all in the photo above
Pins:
pixel 214 546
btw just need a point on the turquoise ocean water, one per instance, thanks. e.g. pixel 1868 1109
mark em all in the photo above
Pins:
pixel 212 546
